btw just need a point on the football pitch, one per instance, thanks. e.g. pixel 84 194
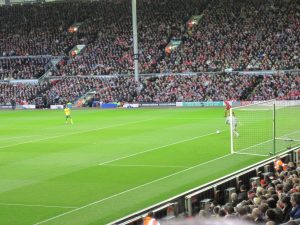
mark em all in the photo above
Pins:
pixel 109 163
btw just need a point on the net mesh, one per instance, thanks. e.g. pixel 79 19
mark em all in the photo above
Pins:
pixel 255 129
pixel 287 125
pixel 266 128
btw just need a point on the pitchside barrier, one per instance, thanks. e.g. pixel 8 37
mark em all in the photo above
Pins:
pixel 200 198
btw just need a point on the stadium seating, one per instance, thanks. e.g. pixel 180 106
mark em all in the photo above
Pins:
pixel 171 88
pixel 227 38
pixel 23 67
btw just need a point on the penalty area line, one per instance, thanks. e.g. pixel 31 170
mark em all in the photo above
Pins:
pixel 152 166
pixel 33 205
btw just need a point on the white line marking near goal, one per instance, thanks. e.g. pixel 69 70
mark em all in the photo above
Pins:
pixel 69 134
pixel 152 149
pixel 261 143
pixel 152 166
pixel 242 153
pixel 129 190
pixel 264 142
pixel 45 206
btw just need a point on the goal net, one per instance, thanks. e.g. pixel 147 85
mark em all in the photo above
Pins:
pixel 265 128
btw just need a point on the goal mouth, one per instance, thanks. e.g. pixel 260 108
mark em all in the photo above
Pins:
pixel 265 128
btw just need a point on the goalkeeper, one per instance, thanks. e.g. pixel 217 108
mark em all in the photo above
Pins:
pixel 234 121
pixel 67 112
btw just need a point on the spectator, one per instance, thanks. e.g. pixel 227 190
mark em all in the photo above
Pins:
pixel 295 201
pixel 243 193
pixel 150 220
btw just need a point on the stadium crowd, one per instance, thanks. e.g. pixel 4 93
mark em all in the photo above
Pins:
pixel 22 68
pixel 231 36
pixel 42 29
pixel 239 35
pixel 281 86
pixel 22 93
pixel 170 88
pixel 273 200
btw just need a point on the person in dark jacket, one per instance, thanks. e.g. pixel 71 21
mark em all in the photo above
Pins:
pixel 295 200
pixel 243 194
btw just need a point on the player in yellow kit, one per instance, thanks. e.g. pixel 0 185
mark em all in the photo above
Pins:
pixel 67 112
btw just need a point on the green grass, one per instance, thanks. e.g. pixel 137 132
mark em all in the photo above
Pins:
pixel 109 164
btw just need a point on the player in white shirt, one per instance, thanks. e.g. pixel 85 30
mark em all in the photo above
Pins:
pixel 234 123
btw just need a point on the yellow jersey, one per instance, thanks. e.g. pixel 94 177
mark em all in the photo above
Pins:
pixel 67 111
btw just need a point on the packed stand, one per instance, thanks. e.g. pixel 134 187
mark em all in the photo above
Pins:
pixel 112 50
pixel 232 35
pixel 42 29
pixel 274 200
pixel 168 88
pixel 22 93
pixel 70 89
pixel 241 35
pixel 204 87
pixel 279 86
pixel 151 89
pixel 25 34
pixel 23 68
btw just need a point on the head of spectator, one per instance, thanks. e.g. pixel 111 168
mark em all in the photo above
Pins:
pixel 229 209
pixel 290 166
pixel 234 199
pixel 257 215
pixel 263 208
pixel 272 203
pixel 256 201
pixel 271 215
pixel 260 191
pixel 251 194
pixel 241 211
pixel 221 213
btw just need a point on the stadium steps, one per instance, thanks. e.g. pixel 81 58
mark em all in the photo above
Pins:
pixel 249 90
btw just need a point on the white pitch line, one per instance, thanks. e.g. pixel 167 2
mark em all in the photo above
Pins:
pixel 17 137
pixel 264 142
pixel 151 182
pixel 152 149
pixel 69 134
pixel 45 206
pixel 242 153
pixel 129 190
pixel 261 143
pixel 152 166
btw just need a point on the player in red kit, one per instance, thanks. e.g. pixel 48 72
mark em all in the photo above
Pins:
pixel 227 108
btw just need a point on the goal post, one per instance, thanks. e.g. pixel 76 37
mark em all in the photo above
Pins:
pixel 265 127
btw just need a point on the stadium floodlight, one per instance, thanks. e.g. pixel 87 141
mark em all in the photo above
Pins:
pixel 264 127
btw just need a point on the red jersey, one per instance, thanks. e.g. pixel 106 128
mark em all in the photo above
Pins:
pixel 227 105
